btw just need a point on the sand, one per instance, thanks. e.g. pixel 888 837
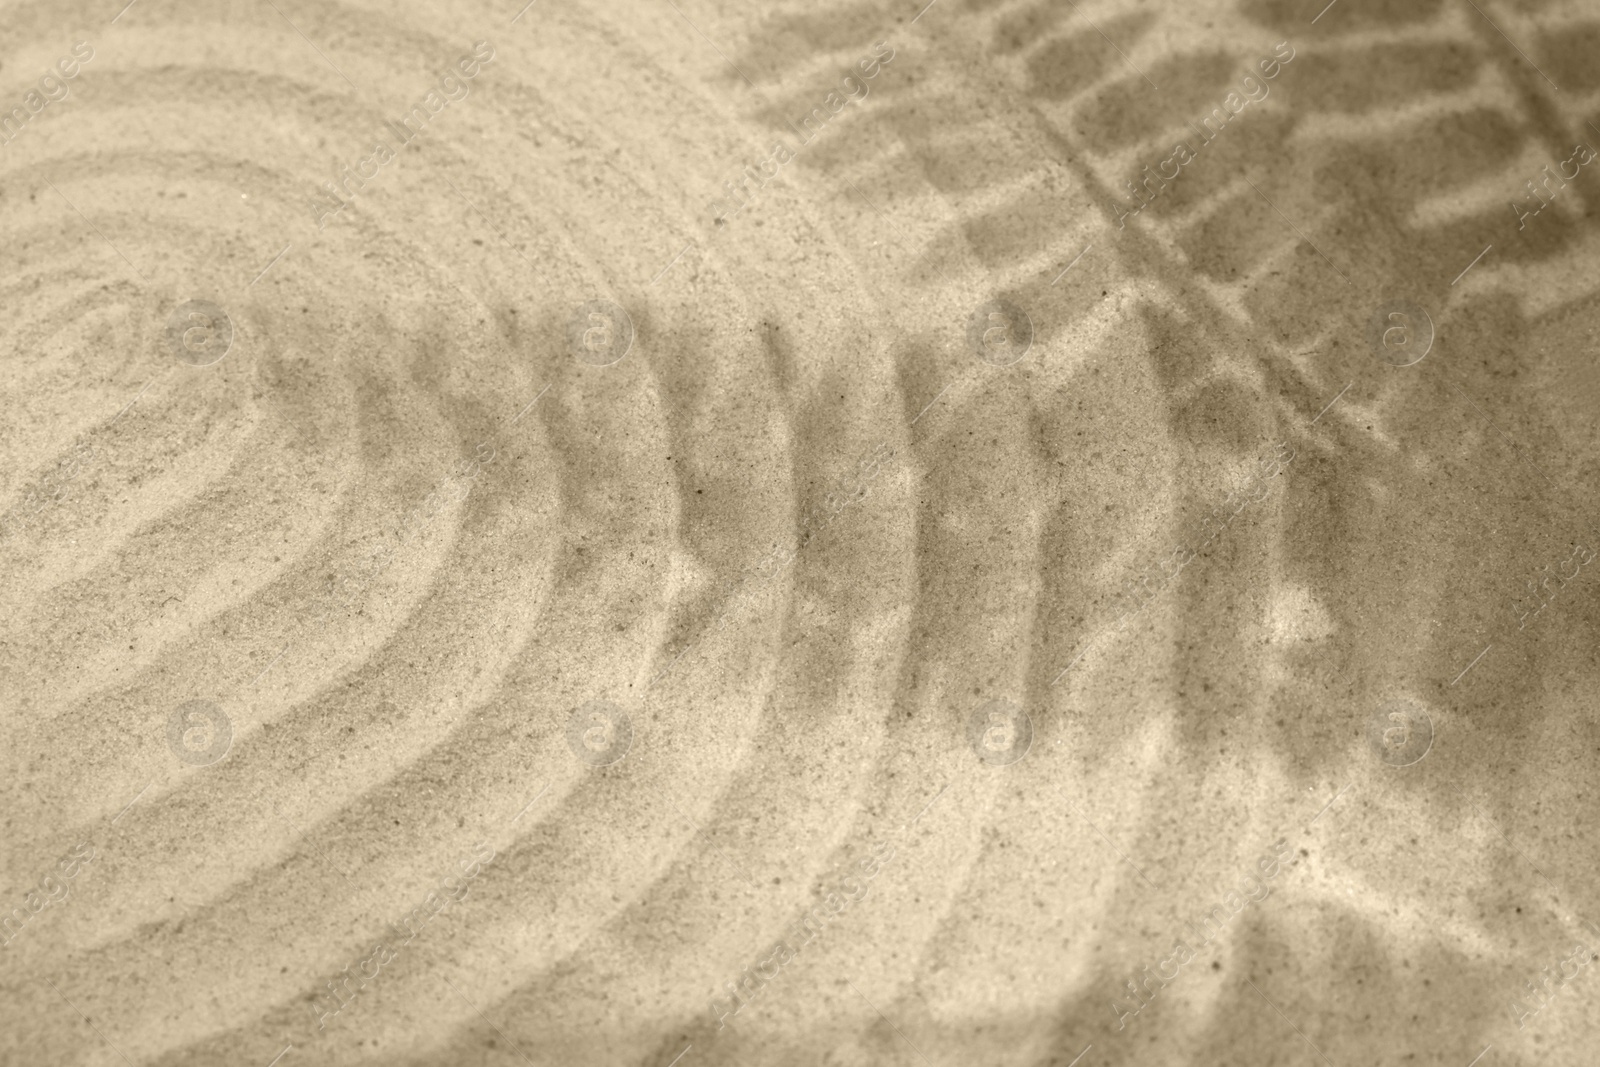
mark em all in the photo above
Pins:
pixel 712 533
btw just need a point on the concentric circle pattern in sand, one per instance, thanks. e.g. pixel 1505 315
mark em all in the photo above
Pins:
pixel 710 533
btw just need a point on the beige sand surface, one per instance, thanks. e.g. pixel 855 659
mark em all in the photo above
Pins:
pixel 691 554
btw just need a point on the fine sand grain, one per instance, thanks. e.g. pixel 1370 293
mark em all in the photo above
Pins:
pixel 688 532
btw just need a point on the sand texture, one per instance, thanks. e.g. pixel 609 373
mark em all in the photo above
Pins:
pixel 703 532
